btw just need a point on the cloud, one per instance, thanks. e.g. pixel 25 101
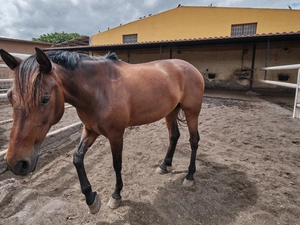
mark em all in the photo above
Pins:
pixel 295 5
pixel 31 18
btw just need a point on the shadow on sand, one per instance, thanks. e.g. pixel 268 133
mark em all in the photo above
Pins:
pixel 216 198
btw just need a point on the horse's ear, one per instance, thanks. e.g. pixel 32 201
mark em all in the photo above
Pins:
pixel 43 60
pixel 10 61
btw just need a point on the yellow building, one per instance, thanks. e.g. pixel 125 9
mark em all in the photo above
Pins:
pixel 186 22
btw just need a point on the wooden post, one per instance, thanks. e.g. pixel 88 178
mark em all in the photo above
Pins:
pixel 252 66
pixel 267 58
pixel 160 52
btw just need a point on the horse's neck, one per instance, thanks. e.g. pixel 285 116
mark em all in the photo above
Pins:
pixel 80 86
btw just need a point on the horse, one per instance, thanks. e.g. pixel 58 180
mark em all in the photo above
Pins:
pixel 109 95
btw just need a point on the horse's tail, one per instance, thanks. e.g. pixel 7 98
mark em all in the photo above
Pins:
pixel 181 119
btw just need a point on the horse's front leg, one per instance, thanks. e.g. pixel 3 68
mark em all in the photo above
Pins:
pixel 116 143
pixel 92 200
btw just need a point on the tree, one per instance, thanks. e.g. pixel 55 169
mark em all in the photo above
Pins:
pixel 56 38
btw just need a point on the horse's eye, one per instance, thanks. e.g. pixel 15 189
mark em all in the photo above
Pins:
pixel 45 100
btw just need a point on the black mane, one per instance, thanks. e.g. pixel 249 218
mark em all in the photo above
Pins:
pixel 70 60
pixel 112 56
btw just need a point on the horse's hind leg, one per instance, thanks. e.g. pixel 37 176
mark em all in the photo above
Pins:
pixel 192 122
pixel 171 122
pixel 92 200
pixel 116 143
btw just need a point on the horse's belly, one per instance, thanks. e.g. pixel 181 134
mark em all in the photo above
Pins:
pixel 149 112
pixel 135 121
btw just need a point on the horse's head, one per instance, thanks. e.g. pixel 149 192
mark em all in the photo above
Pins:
pixel 38 102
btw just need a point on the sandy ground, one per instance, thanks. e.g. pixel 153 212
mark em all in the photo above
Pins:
pixel 247 172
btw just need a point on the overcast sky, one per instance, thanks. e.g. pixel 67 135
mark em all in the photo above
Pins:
pixel 20 19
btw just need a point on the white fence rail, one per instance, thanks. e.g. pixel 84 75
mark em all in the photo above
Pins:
pixel 296 111
pixel 288 85
pixel 285 67
pixel 6 80
pixel 3 96
pixel 5 84
pixel 65 131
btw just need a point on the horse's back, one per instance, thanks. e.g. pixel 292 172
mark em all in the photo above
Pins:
pixel 182 77
pixel 176 70
pixel 154 89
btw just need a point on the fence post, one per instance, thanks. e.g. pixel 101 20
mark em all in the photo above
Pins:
pixel 252 66
pixel 296 113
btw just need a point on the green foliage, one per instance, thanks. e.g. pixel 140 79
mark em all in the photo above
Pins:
pixel 56 38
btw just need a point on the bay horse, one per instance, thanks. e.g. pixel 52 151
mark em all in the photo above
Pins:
pixel 109 95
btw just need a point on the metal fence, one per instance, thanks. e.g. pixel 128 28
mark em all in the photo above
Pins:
pixel 5 80
pixel 296 111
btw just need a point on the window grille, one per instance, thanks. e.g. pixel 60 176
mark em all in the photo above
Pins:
pixel 130 38
pixel 243 29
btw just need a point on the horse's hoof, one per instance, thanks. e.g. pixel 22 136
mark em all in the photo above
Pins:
pixel 188 183
pixel 160 171
pixel 95 207
pixel 113 203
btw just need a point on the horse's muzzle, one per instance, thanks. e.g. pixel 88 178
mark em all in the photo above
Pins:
pixel 23 167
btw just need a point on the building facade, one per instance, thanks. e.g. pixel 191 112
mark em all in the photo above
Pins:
pixel 225 44
pixel 21 46
pixel 187 22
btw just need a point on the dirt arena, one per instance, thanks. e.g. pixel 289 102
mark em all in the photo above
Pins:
pixel 247 171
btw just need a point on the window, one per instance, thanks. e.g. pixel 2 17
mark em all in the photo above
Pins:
pixel 130 38
pixel 243 29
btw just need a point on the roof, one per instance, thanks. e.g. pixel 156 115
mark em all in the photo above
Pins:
pixel 255 38
pixel 80 41
pixel 24 41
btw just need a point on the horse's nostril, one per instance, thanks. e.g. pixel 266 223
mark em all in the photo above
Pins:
pixel 22 168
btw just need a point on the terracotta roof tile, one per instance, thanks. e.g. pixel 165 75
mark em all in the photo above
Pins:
pixel 180 40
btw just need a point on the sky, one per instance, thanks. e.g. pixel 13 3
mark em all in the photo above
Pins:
pixel 24 20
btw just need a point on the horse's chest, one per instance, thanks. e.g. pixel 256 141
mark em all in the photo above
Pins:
pixel 98 122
